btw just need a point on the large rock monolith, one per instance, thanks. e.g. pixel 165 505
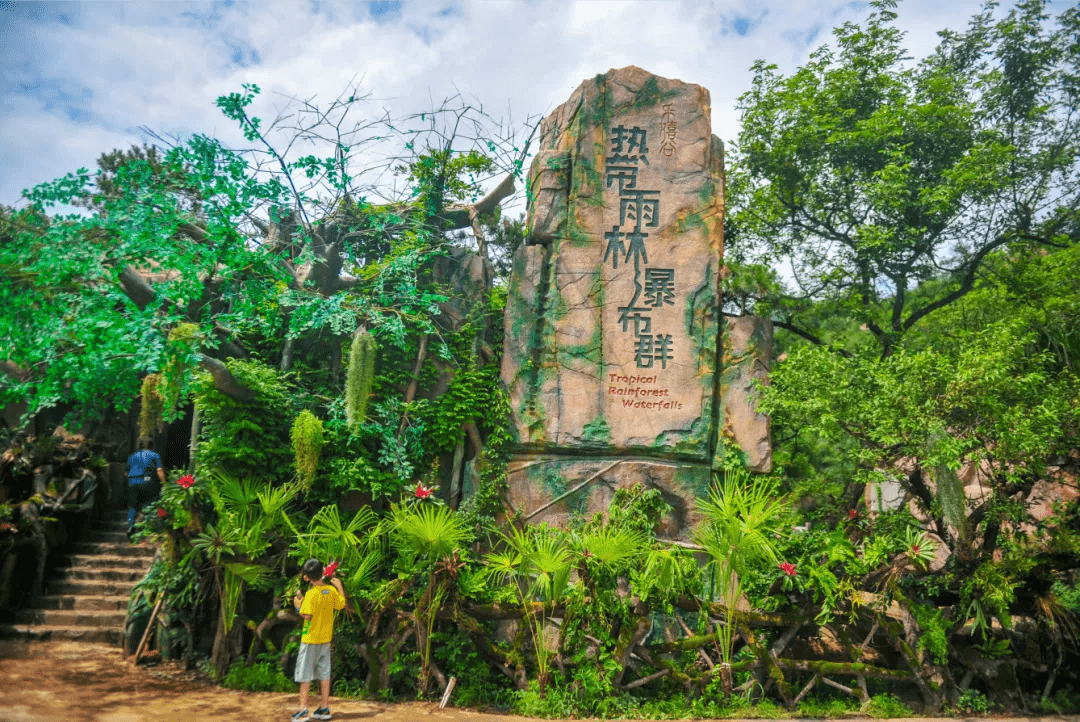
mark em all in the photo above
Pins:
pixel 613 315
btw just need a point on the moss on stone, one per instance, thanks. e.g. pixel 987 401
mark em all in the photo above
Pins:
pixel 650 94
pixel 694 478
pixel 597 432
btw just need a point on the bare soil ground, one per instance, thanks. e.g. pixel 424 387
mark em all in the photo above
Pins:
pixel 79 682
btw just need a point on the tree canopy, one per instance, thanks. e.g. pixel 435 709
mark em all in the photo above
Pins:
pixel 883 185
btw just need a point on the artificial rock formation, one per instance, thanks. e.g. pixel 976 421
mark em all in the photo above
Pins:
pixel 613 317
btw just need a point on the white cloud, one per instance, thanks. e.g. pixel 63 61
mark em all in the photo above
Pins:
pixel 80 79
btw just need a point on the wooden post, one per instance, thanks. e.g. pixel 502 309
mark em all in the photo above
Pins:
pixel 149 626
pixel 446 694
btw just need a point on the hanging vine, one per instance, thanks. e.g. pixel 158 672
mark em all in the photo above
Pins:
pixel 359 379
pixel 307 443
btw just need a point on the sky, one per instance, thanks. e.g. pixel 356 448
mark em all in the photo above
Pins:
pixel 81 78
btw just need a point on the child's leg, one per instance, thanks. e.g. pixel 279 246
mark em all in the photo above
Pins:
pixel 324 685
pixel 304 687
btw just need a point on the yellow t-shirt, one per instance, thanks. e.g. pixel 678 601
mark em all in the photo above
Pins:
pixel 320 602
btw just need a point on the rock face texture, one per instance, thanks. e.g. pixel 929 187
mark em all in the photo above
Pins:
pixel 613 315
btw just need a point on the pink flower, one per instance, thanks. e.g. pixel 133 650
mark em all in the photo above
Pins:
pixel 186 481
pixel 162 513
pixel 422 492
pixel 788 568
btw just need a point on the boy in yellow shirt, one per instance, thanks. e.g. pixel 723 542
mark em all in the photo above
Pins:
pixel 317 608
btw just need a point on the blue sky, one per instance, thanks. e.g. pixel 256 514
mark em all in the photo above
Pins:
pixel 79 79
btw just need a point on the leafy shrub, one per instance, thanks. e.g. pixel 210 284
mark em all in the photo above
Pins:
pixel 971 701
pixel 886 706
pixel 259 677
pixel 1064 701
pixel 825 708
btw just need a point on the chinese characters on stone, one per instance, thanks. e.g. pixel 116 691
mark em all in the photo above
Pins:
pixel 639 209
pixel 668 126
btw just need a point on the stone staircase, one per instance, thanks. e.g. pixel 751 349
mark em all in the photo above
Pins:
pixel 86 599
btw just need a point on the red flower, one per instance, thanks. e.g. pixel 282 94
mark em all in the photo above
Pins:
pixel 915 549
pixel 186 481
pixel 161 513
pixel 788 568
pixel 853 513
pixel 422 492
pixel 330 569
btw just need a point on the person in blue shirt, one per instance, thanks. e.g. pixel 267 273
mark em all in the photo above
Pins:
pixel 144 473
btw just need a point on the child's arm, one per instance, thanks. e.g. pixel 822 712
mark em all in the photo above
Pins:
pixel 298 601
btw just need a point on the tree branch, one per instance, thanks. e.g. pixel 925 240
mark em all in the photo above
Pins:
pixel 787 326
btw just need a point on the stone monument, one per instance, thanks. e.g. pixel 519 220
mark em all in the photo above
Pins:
pixel 613 352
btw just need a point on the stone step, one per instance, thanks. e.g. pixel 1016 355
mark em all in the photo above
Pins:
pixel 44 632
pixel 118 527
pixel 126 549
pixel 99 618
pixel 116 537
pixel 82 601
pixel 111 574
pixel 95 588
pixel 108 560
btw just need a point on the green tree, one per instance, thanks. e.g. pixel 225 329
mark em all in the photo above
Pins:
pixel 868 175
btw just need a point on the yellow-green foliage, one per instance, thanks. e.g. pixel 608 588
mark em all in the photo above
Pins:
pixel 307 443
pixel 361 374
pixel 152 406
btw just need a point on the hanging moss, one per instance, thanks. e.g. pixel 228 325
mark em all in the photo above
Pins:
pixel 174 376
pixel 359 379
pixel 307 443
pixel 150 415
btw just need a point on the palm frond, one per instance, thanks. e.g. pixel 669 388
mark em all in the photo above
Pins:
pixel 435 531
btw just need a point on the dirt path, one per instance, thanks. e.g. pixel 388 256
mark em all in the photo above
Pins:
pixel 76 682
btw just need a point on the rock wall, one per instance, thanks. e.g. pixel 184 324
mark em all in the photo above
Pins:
pixel 612 321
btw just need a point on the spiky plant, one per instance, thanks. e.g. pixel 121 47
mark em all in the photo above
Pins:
pixel 360 376
pixel 434 533
pixel 537 561
pixel 739 532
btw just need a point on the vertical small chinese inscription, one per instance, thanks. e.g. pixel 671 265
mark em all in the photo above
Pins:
pixel 668 127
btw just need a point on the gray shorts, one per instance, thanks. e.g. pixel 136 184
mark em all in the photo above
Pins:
pixel 313 662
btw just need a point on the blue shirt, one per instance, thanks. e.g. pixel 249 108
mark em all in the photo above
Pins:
pixel 143 462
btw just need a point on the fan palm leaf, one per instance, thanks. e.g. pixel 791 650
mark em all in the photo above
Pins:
pixel 434 531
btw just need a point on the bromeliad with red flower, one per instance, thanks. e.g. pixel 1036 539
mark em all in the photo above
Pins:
pixel 788 568
pixel 423 492
pixel 186 481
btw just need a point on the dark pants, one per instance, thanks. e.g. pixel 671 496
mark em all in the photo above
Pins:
pixel 140 493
